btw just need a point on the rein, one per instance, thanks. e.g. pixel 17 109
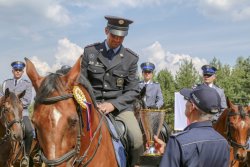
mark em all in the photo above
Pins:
pixel 75 151
pixel 229 136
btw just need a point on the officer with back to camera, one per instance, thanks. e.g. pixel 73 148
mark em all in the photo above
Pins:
pixel 199 144
pixel 112 71
pixel 17 85
pixel 153 97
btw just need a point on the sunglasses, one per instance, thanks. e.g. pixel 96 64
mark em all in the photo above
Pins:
pixel 207 75
pixel 148 72
pixel 20 70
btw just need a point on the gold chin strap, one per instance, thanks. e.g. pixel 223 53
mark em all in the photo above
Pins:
pixel 79 96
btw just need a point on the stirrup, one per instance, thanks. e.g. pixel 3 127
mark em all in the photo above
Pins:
pixel 24 162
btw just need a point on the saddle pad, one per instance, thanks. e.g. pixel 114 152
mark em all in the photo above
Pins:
pixel 118 147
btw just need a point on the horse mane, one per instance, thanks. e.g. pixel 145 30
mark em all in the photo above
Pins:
pixel 86 84
pixel 52 83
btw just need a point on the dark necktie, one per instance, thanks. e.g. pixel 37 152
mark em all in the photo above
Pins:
pixel 110 54
pixel 15 82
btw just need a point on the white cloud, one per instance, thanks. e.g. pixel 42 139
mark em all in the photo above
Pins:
pixel 58 14
pixel 119 3
pixel 67 53
pixel 226 9
pixel 167 60
pixel 49 9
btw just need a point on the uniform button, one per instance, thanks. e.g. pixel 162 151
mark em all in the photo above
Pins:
pixel 94 70
pixel 107 74
pixel 121 75
pixel 104 92
pixel 105 85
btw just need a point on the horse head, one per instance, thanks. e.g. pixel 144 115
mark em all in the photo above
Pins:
pixel 238 127
pixel 55 117
pixel 62 112
pixel 11 115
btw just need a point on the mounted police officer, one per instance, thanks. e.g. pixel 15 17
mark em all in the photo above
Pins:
pixel 17 84
pixel 112 71
pixel 153 97
pixel 199 144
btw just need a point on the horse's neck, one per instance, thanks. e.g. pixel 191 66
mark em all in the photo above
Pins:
pixel 221 124
pixel 2 129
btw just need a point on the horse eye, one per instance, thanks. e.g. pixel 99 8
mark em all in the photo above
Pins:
pixel 73 121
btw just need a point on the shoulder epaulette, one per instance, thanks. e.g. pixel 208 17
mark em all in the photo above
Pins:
pixel 217 86
pixel 132 52
pixel 156 82
pixel 8 79
pixel 26 80
pixel 94 44
pixel 196 85
pixel 179 133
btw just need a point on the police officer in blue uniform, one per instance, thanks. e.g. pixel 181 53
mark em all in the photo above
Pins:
pixel 209 76
pixel 112 71
pixel 199 144
pixel 17 85
pixel 153 96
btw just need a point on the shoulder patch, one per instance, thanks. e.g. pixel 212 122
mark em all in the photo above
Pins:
pixel 94 44
pixel 132 52
pixel 179 133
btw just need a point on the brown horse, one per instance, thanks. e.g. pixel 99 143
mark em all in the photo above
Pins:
pixel 60 118
pixel 234 125
pixel 11 129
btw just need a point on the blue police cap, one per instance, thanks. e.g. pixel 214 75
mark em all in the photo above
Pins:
pixel 207 69
pixel 205 98
pixel 18 65
pixel 118 25
pixel 147 66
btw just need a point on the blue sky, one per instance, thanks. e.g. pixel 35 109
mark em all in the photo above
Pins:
pixel 53 33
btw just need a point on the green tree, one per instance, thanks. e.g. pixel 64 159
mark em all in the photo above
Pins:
pixel 187 75
pixel 166 80
pixel 241 81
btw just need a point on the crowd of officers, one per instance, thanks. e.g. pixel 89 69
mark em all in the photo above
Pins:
pixel 112 71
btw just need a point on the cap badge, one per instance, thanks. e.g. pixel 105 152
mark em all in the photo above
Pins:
pixel 121 22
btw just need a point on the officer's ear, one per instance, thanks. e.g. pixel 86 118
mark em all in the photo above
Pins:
pixel 106 30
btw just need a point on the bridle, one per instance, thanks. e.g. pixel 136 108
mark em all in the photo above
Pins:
pixel 233 143
pixel 7 124
pixel 76 150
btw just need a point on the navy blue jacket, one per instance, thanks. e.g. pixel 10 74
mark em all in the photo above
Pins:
pixel 199 145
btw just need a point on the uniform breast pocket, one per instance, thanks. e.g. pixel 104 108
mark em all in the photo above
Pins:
pixel 120 78
pixel 95 71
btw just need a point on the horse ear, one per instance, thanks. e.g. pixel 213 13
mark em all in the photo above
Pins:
pixel 73 73
pixel 7 92
pixel 20 95
pixel 229 103
pixel 35 78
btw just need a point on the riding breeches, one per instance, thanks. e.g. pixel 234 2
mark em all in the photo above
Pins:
pixel 135 135
pixel 28 137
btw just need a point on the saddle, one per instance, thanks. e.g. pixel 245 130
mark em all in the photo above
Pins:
pixel 121 131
